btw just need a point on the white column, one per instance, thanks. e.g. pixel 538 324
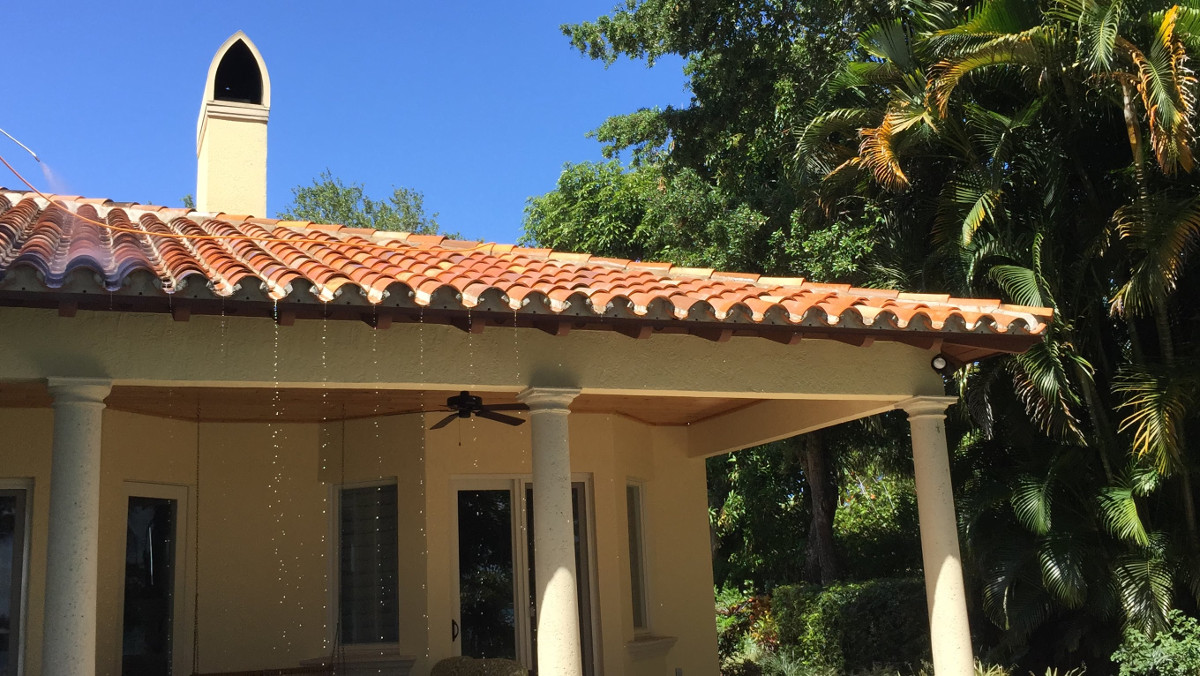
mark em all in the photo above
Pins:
pixel 949 630
pixel 558 652
pixel 69 639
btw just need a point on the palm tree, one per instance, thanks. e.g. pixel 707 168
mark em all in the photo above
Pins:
pixel 993 133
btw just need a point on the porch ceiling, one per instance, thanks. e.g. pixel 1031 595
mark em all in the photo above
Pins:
pixel 251 404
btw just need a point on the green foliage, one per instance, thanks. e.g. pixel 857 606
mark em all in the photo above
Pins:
pixel 745 630
pixel 875 528
pixel 1174 651
pixel 329 200
pixel 758 515
pixel 1040 153
pixel 855 626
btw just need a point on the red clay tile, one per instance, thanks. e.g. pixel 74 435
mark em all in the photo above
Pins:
pixel 175 244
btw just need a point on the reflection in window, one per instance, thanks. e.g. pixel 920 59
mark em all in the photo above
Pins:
pixel 149 587
pixel 368 566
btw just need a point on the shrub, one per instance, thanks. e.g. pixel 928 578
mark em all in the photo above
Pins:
pixel 853 627
pixel 745 629
pixel 1174 651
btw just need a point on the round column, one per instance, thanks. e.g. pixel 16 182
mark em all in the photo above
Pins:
pixel 949 629
pixel 558 650
pixel 69 639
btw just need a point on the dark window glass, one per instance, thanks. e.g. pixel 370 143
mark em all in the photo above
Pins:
pixel 12 559
pixel 637 583
pixel 485 574
pixel 368 566
pixel 149 587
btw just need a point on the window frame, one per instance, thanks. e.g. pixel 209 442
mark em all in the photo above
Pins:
pixel 334 585
pixel 24 486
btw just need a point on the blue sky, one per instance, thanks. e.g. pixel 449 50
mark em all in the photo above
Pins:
pixel 478 105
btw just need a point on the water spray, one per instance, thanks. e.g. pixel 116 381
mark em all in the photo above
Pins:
pixel 25 147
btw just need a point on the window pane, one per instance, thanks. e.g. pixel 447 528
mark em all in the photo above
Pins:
pixel 368 563
pixel 149 587
pixel 633 499
pixel 485 574
pixel 12 553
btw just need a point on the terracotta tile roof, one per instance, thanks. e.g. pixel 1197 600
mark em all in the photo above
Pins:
pixel 219 254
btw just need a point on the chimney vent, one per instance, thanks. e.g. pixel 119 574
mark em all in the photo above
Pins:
pixel 231 134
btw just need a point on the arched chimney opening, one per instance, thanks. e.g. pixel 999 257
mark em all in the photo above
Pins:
pixel 238 77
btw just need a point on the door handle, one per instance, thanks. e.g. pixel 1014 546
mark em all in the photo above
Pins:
pixel 453 630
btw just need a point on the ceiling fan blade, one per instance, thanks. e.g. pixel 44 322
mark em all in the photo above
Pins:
pixel 431 409
pixel 505 407
pixel 501 418
pixel 445 421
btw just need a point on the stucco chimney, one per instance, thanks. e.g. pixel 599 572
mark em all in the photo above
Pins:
pixel 231 135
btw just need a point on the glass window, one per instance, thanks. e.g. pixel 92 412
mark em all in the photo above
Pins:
pixel 637 582
pixel 485 573
pixel 12 570
pixel 149 586
pixel 368 566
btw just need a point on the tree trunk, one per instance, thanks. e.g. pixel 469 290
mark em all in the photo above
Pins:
pixel 820 564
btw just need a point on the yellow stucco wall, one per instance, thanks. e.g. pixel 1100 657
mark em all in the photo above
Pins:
pixel 151 349
pixel 231 174
pixel 263 506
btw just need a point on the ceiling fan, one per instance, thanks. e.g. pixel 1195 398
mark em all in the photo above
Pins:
pixel 464 405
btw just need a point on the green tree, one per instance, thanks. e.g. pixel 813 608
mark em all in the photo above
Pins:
pixel 329 200
pixel 1037 152
pixel 714 184
pixel 1010 136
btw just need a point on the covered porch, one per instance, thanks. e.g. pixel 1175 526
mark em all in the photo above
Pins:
pixel 253 428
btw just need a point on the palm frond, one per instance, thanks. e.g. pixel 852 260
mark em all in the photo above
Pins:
pixel 813 146
pixel 1032 500
pixel 1145 582
pixel 1156 405
pixel 877 147
pixel 994 18
pixel 1018 283
pixel 1098 25
pixel 888 41
pixel 1119 509
pixel 1062 570
pixel 1163 231
pixel 1036 47
pixel 1041 382
pixel 1166 86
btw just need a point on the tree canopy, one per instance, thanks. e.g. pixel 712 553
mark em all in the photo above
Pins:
pixel 329 200
pixel 1041 153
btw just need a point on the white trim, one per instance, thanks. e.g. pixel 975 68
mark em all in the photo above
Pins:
pixel 182 629
pixel 23 484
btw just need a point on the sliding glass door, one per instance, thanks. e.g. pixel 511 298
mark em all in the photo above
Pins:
pixel 497 605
